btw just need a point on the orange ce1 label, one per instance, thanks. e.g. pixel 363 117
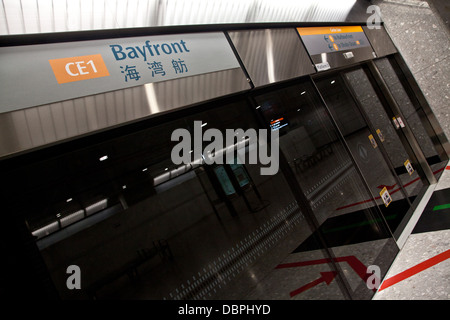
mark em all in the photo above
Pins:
pixel 79 68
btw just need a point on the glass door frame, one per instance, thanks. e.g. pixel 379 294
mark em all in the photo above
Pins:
pixel 350 91
pixel 298 191
pixel 415 94
pixel 407 138
pixel 392 108
pixel 344 141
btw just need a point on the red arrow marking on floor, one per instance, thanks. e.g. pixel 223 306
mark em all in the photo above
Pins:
pixel 414 270
pixel 354 263
pixel 326 277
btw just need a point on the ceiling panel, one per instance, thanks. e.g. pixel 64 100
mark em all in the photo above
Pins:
pixel 43 16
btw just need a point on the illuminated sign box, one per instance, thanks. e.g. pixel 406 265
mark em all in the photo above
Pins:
pixel 40 74
pixel 331 47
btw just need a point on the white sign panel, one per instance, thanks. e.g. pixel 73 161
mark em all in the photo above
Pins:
pixel 41 74
pixel 323 66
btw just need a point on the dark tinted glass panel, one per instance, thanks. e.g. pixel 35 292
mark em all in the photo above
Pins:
pixel 388 136
pixel 140 227
pixel 364 146
pixel 348 218
pixel 414 115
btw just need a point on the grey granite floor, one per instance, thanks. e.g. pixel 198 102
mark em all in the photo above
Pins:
pixel 432 283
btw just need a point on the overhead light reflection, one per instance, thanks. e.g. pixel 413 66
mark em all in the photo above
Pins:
pixel 151 98
pixel 270 60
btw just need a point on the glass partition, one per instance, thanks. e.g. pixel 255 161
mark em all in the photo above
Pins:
pixel 140 227
pixel 414 114
pixel 350 222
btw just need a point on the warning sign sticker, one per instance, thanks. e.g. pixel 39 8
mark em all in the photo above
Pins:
pixel 409 167
pixel 373 141
pixel 380 135
pixel 385 196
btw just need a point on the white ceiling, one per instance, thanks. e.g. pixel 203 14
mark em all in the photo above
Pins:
pixel 42 16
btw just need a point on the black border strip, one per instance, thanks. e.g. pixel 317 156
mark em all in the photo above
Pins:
pixel 71 36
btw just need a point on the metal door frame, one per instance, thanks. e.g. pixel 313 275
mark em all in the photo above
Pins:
pixel 372 129
pixel 403 140
pixel 415 94
pixel 347 148
pixel 297 190
pixel 408 140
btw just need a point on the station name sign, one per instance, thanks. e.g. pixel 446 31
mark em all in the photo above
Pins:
pixel 121 53
pixel 41 74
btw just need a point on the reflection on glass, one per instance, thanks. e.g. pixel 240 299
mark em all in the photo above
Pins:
pixel 349 221
pixel 240 174
pixel 369 101
pixel 140 227
pixel 414 114
pixel 225 182
pixel 365 147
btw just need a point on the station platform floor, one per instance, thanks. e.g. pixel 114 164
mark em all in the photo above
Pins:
pixel 421 270
pixel 256 267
